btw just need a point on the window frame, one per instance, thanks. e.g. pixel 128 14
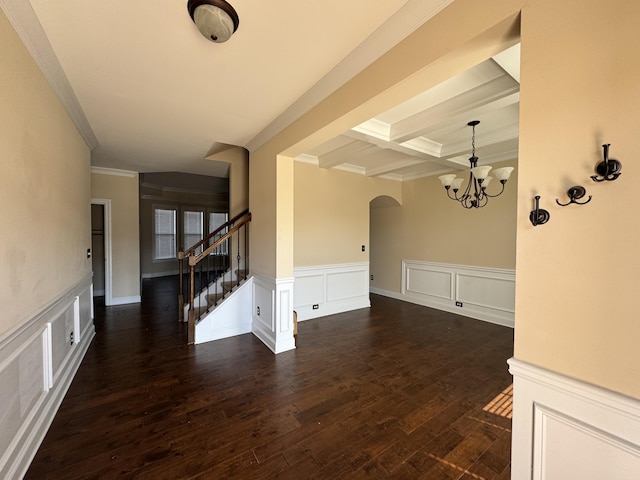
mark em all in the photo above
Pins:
pixel 183 210
pixel 154 233
pixel 225 246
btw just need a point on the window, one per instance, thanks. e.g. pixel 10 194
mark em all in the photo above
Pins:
pixel 164 234
pixel 193 229
pixel 216 220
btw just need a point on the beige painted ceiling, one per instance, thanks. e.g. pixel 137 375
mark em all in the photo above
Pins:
pixel 149 93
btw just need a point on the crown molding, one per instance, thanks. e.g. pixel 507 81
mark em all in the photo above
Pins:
pixel 114 171
pixel 26 24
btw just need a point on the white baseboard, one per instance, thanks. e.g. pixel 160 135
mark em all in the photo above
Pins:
pixel 564 428
pixel 38 361
pixel 125 300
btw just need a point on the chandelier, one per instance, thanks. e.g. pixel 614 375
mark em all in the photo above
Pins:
pixel 475 194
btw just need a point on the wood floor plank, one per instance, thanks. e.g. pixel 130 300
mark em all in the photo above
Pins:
pixel 394 391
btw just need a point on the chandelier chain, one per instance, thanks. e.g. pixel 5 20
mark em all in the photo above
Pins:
pixel 473 141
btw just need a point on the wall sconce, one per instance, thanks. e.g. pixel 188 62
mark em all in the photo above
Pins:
pixel 575 193
pixel 539 216
pixel 608 169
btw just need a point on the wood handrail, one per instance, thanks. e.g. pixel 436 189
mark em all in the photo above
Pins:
pixel 191 250
pixel 193 260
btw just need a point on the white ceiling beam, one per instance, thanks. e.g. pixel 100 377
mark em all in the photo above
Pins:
pixel 390 167
pixel 345 154
pixel 509 61
pixel 499 135
pixel 481 98
pixel 374 128
pixel 385 144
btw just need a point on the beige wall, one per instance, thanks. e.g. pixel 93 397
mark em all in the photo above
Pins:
pixel 331 214
pixel 238 160
pixel 576 310
pixel 263 203
pixel 430 227
pixel 44 189
pixel 122 190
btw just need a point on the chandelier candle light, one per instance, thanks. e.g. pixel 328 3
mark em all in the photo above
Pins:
pixel 475 194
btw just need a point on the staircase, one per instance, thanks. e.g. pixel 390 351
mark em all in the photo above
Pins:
pixel 218 271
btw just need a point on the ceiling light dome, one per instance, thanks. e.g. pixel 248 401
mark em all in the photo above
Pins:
pixel 216 19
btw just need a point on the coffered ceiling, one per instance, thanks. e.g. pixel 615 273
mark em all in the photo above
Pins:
pixel 429 135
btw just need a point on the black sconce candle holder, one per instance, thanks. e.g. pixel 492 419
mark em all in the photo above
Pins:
pixel 575 193
pixel 539 216
pixel 608 168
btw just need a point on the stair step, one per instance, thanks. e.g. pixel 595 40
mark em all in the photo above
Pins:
pixel 229 285
pixel 213 298
pixel 200 311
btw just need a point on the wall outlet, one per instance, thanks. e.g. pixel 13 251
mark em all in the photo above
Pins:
pixel 372 277
pixel 458 304
pixel 71 338
pixel 316 306
pixel 258 311
pixel 363 248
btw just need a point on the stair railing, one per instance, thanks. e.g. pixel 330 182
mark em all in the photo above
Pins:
pixel 211 272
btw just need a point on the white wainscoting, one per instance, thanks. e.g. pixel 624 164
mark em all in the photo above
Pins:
pixel 333 288
pixel 485 293
pixel 38 361
pixel 565 429
pixel 273 312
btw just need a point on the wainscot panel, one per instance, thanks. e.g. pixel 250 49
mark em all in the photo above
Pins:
pixel 38 361
pixel 273 312
pixel 482 293
pixel 564 428
pixel 328 289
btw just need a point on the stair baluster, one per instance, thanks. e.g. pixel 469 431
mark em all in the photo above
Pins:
pixel 212 275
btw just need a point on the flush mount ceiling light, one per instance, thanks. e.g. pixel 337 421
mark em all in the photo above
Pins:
pixel 216 19
pixel 475 195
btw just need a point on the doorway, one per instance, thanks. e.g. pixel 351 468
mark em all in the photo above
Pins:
pixel 101 248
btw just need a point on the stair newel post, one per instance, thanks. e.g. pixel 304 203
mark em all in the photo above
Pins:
pixel 180 287
pixel 238 260
pixel 246 247
pixel 209 280
pixel 219 268
pixel 192 296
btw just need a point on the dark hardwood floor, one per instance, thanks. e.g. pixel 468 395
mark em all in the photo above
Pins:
pixel 396 391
